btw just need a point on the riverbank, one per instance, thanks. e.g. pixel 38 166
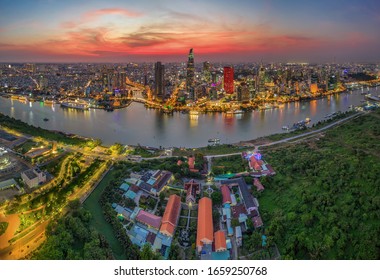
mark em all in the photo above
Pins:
pixel 137 125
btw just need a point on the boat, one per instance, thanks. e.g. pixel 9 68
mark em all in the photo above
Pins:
pixel 46 119
pixel 238 112
pixel 266 107
pixel 285 127
pixel 49 101
pixel 307 120
pixel 77 104
pixel 214 140
pixel 229 112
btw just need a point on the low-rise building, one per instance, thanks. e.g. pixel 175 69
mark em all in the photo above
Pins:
pixel 149 219
pixel 192 188
pixel 33 177
pixel 171 216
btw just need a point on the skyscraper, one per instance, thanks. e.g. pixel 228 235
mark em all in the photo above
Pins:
pixel 159 87
pixel 206 71
pixel 229 79
pixel 190 72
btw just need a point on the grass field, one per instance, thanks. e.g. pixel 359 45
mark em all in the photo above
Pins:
pixel 98 221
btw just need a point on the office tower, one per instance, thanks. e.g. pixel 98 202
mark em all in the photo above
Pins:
pixel 159 86
pixel 243 94
pixel 190 71
pixel 229 79
pixel 206 71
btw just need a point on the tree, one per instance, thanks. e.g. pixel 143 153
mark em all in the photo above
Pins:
pixel 217 198
pixel 147 253
pixel 235 222
pixel 116 149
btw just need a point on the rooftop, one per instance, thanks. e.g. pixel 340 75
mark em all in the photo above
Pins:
pixel 149 219
pixel 205 226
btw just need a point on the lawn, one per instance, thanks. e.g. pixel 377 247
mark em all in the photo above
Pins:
pixel 324 202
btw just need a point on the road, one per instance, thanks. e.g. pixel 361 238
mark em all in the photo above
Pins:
pixel 256 149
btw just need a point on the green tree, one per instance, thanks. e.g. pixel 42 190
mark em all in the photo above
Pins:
pixel 216 198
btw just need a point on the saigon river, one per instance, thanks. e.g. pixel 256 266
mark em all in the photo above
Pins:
pixel 137 125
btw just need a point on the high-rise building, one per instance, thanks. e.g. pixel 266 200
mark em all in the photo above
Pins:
pixel 159 82
pixel 206 71
pixel 229 79
pixel 190 72
pixel 243 93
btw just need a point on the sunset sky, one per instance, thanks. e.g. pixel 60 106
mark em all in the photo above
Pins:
pixel 218 30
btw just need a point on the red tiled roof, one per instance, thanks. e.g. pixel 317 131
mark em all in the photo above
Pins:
pixel 191 162
pixel 258 184
pixel 205 226
pixel 257 222
pixel 220 241
pixel 226 194
pixel 255 164
pixel 170 218
pixel 149 219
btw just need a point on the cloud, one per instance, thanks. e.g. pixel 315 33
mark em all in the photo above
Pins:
pixel 92 16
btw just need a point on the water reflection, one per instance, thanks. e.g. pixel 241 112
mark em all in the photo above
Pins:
pixel 136 124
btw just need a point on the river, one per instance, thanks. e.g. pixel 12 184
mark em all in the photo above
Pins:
pixel 138 125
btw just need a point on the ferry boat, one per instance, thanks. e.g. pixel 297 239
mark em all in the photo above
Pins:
pixel 238 112
pixel 77 104
pixel 49 102
pixel 214 140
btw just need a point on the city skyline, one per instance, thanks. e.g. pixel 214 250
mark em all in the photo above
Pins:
pixel 242 31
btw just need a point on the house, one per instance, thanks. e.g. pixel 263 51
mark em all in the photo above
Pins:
pixel 205 227
pixel 149 219
pixel 226 194
pixel 171 215
pixel 33 177
pixel 220 241
pixel 249 202
pixel 192 188
pixel 124 187
pixel 191 162
pixel 257 221
pixel 258 185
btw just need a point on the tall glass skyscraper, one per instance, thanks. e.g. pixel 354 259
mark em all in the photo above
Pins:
pixel 190 73
pixel 159 83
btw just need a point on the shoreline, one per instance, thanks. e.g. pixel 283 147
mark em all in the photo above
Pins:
pixel 248 107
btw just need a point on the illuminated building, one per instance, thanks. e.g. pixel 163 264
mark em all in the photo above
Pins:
pixel 243 94
pixel 206 71
pixel 313 88
pixel 159 86
pixel 229 79
pixel 261 80
pixel 190 74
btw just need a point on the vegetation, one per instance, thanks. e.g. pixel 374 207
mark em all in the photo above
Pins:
pixel 22 127
pixel 72 238
pixel 324 202
pixel 131 251
pixel 318 125
pixel 3 227
pixel 208 150
pixel 228 165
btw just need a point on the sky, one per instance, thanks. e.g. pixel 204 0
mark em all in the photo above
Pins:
pixel 217 30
